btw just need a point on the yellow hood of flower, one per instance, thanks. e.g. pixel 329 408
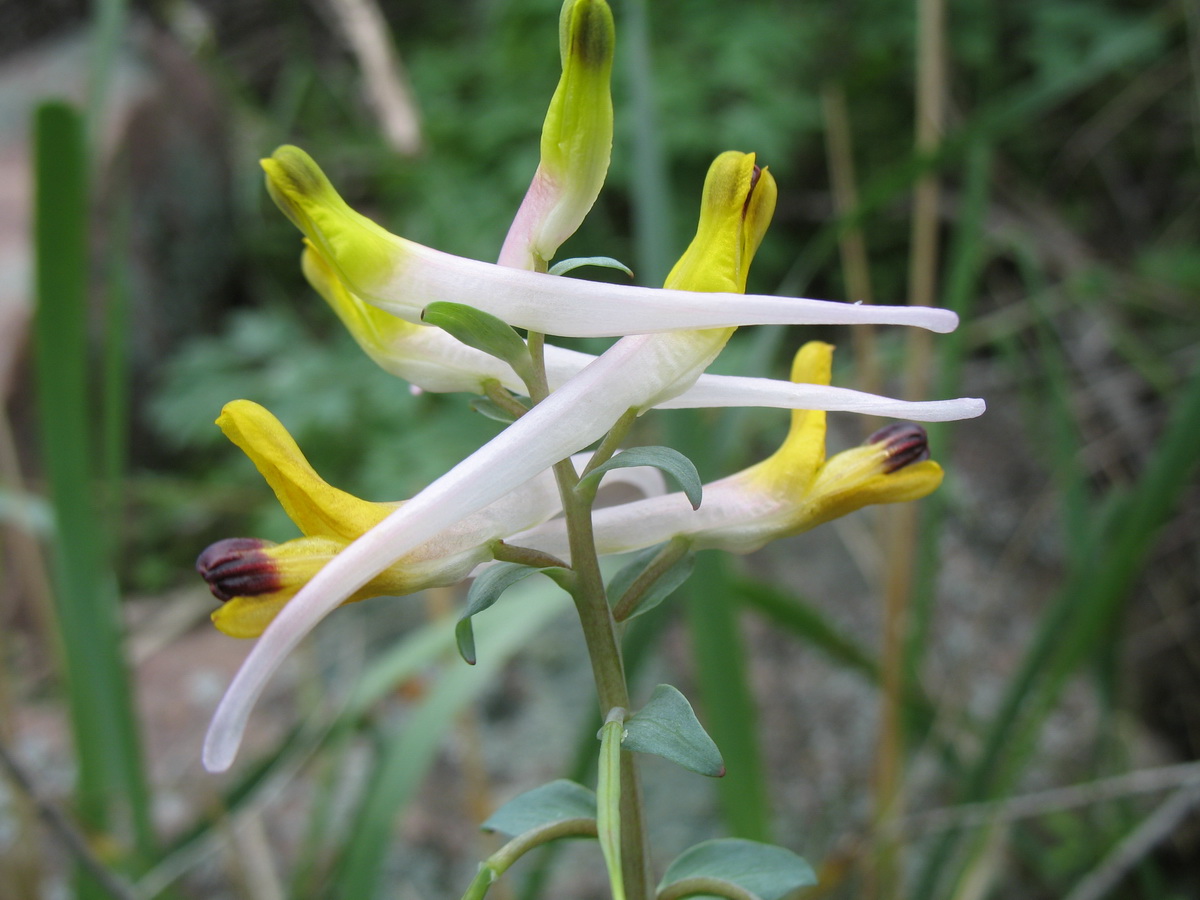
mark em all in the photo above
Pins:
pixel 822 489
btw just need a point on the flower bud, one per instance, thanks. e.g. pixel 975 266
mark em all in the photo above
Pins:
pixel 576 140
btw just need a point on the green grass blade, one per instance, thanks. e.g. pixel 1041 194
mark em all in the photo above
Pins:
pixel 653 223
pixel 111 786
pixel 406 758
pixel 727 705
pixel 1083 614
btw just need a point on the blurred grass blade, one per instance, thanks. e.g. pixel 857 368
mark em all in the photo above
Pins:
pixel 724 696
pixel 652 220
pixel 807 623
pixel 1083 615
pixel 407 757
pixel 111 787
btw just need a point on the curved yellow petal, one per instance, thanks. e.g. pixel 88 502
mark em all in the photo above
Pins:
pixel 363 251
pixel 375 331
pixel 318 508
pixel 792 467
pixel 892 467
pixel 735 210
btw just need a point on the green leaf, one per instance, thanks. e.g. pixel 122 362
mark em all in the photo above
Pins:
pixel 480 330
pixel 676 565
pixel 492 410
pixel 486 590
pixel 670 461
pixel 666 726
pixel 768 871
pixel 554 802
pixel 604 262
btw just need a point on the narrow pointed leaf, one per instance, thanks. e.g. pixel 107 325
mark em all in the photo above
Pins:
pixel 486 590
pixel 666 726
pixel 492 410
pixel 480 330
pixel 603 262
pixel 665 583
pixel 670 461
pixel 768 871
pixel 554 802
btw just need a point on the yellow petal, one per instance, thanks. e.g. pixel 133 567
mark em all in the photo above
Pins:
pixel 376 331
pixel 837 493
pixel 735 210
pixel 318 508
pixel 791 469
pixel 362 251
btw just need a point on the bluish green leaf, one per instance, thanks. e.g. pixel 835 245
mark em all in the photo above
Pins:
pixel 554 802
pixel 604 262
pixel 665 582
pixel 670 461
pixel 763 869
pixel 486 590
pixel 666 726
pixel 492 410
pixel 480 330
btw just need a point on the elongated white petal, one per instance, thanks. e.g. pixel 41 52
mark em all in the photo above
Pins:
pixel 728 504
pixel 574 308
pixel 434 361
pixel 633 373
pixel 736 390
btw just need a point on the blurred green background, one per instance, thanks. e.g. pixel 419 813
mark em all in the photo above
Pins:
pixel 1046 667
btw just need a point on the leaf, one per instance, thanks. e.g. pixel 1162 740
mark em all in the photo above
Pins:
pixel 768 871
pixel 604 262
pixel 670 461
pixel 544 805
pixel 480 330
pixel 492 410
pixel 664 584
pixel 666 726
pixel 486 590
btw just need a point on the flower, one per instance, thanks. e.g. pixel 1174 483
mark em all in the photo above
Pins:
pixel 576 140
pixel 402 277
pixel 672 335
pixel 793 490
pixel 255 578
pixel 432 360
pixel 635 373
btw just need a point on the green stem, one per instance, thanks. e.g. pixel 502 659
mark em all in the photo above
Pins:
pixel 495 392
pixel 500 861
pixel 604 651
pixel 600 636
pixel 612 441
pixel 525 556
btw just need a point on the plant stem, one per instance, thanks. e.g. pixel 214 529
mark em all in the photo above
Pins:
pixel 600 636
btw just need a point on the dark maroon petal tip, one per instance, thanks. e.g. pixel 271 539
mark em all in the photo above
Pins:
pixel 904 443
pixel 754 176
pixel 238 567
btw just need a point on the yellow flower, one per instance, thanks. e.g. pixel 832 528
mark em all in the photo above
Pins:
pixel 256 578
pixel 793 490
